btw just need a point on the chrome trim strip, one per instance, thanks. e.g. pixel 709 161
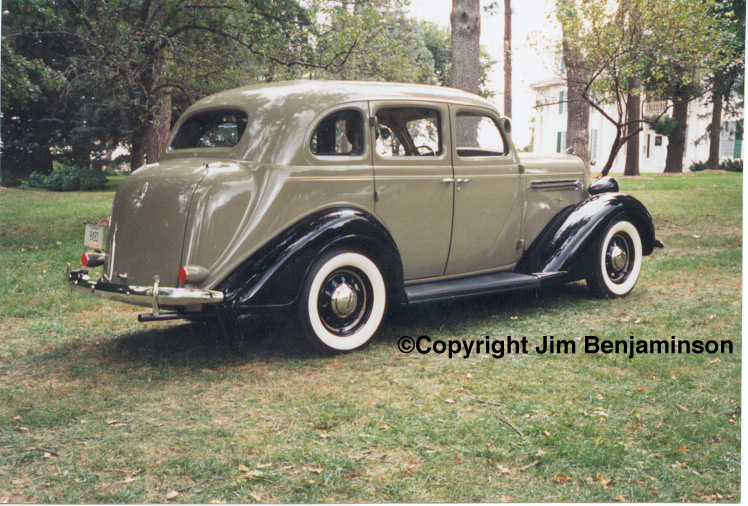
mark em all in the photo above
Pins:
pixel 147 296
pixel 556 185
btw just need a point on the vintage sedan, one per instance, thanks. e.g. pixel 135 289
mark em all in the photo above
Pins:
pixel 338 199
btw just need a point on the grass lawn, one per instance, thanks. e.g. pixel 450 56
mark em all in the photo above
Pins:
pixel 95 407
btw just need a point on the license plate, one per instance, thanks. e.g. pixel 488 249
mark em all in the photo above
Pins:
pixel 94 236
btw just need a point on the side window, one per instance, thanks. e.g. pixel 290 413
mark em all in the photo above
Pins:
pixel 341 133
pixel 478 135
pixel 211 129
pixel 408 131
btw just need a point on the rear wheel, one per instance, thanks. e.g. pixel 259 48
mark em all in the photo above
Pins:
pixel 343 301
pixel 618 261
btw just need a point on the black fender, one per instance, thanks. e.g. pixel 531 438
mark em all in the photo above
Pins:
pixel 273 275
pixel 566 244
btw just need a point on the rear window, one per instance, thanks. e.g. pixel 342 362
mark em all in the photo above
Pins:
pixel 211 129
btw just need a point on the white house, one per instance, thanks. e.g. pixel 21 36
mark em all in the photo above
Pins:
pixel 550 131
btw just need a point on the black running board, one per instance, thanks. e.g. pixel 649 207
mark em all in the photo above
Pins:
pixel 497 282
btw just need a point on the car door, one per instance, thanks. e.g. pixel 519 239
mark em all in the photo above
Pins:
pixel 487 204
pixel 413 181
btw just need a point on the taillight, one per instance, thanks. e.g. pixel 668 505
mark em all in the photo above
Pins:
pixel 93 258
pixel 192 274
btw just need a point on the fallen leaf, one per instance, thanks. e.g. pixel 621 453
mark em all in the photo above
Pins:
pixel 263 466
pixel 172 494
pixel 16 418
pixel 559 479
pixel 252 475
pixel 47 455
pixel 315 470
pixel 528 466
pixel 449 401
pixel 256 497
pixel 678 465
pixel 351 475
pixel 383 426
pixel 458 460
pixel 697 412
pixel 503 470
pixel 514 317
pixel 683 449
pixel 731 420
pixel 682 408
pixel 620 498
pixel 129 479
pixel 637 321
pixel 640 389
pixel 546 433
pixel 243 469
pixel 605 483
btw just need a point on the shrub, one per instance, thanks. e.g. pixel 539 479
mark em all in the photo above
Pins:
pixel 697 166
pixel 66 177
pixel 732 165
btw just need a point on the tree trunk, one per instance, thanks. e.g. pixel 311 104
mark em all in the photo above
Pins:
pixel 508 58
pixel 137 147
pixel 676 141
pixel 465 19
pixel 633 113
pixel 578 110
pixel 159 127
pixel 715 129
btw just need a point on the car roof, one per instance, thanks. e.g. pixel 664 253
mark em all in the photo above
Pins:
pixel 281 114
pixel 326 94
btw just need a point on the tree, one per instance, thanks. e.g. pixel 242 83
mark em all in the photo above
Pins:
pixel 577 77
pixel 730 16
pixel 465 21
pixel 438 41
pixel 633 115
pixel 130 64
pixel 508 58
pixel 666 43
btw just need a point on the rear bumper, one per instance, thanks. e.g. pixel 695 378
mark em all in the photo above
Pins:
pixel 149 296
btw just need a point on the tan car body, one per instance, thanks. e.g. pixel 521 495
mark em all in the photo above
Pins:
pixel 443 217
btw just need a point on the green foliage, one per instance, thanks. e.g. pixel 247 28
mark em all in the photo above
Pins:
pixel 438 41
pixel 732 165
pixel 726 165
pixel 662 125
pixel 66 177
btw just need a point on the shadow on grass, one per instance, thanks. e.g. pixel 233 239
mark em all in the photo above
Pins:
pixel 277 336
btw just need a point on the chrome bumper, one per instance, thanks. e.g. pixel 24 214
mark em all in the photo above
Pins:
pixel 148 296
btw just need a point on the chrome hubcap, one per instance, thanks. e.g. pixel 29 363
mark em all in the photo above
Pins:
pixel 618 257
pixel 344 300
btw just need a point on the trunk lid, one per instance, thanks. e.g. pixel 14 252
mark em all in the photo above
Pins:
pixel 148 222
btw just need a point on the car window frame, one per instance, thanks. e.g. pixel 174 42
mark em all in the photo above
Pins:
pixel 339 159
pixel 445 158
pixel 455 110
pixel 182 120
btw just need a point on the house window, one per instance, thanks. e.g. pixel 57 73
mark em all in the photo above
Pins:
pixel 593 145
pixel 730 142
pixel 561 96
pixel 561 142
pixel 658 140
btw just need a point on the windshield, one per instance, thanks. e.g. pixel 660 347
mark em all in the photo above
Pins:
pixel 211 129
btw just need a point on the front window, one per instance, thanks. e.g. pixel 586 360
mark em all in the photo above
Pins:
pixel 211 129
pixel 408 131
pixel 478 135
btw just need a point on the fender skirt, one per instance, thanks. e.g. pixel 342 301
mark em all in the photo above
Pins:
pixel 273 275
pixel 567 243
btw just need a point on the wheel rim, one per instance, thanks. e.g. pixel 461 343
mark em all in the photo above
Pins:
pixel 619 258
pixel 343 302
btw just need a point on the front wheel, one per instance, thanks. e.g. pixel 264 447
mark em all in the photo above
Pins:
pixel 618 261
pixel 342 302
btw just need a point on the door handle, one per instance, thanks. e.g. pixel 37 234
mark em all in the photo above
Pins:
pixel 461 180
pixel 448 180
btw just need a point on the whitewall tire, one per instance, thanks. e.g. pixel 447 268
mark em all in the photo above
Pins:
pixel 618 261
pixel 343 301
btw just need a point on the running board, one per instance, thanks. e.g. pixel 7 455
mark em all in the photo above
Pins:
pixel 497 282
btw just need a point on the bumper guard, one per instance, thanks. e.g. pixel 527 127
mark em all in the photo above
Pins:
pixel 148 296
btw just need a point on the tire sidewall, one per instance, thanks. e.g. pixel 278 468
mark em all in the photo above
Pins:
pixel 312 325
pixel 606 285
